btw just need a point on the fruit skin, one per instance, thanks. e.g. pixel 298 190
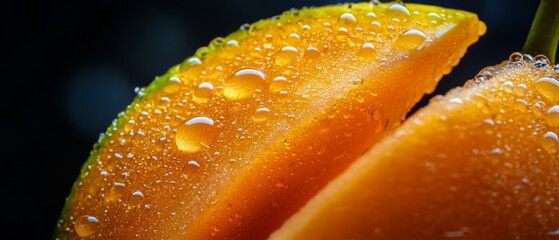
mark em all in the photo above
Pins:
pixel 472 164
pixel 138 184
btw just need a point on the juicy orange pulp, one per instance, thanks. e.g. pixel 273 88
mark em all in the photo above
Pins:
pixel 480 163
pixel 233 141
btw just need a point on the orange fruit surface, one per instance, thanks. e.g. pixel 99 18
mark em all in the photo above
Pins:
pixel 233 141
pixel 481 162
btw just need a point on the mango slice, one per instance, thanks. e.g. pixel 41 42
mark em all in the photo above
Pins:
pixel 480 163
pixel 236 139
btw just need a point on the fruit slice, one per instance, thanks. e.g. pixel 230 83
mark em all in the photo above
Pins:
pixel 236 139
pixel 480 163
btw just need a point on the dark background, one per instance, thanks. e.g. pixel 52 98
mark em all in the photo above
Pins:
pixel 70 66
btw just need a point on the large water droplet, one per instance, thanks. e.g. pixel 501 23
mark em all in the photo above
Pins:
pixel 86 225
pixel 552 116
pixel 411 39
pixel 398 11
pixel 286 55
pixel 348 18
pixel 243 83
pixel 203 92
pixel 262 114
pixel 311 53
pixel 549 88
pixel 550 142
pixel 173 86
pixel 279 84
pixel 367 50
pixel 198 132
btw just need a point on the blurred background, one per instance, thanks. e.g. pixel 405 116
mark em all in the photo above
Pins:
pixel 71 66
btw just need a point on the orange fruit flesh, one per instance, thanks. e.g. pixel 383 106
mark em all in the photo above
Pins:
pixel 233 141
pixel 479 163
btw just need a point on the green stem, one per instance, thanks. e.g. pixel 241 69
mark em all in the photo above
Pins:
pixel 544 33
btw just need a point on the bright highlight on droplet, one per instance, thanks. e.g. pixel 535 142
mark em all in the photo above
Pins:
pixel 286 55
pixel 552 116
pixel 243 83
pixel 198 132
pixel 411 39
pixel 86 225
pixel 549 88
pixel 550 142
pixel 204 91
pixel 262 114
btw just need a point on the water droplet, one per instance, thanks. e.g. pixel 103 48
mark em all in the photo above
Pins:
pixel 243 83
pixel 521 105
pixel 262 114
pixel 232 42
pixel 508 86
pixel 398 11
pixel 367 50
pixel 86 225
pixel 550 142
pixel 286 55
pixel 374 2
pixel 516 57
pixel 376 26
pixel 193 61
pixel 411 39
pixel 193 163
pixel 279 84
pixel 549 88
pixel 203 92
pixel 348 18
pixel 117 191
pixel 552 116
pixel 311 53
pixel 198 132
pixel 173 85
pixel 541 60
pixel 455 100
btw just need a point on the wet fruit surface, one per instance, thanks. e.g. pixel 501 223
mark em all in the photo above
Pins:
pixel 478 163
pixel 234 140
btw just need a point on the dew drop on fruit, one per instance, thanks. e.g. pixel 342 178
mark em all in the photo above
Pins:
pixel 367 50
pixel 116 192
pixel 552 116
pixel 550 142
pixel 311 53
pixel 549 88
pixel 348 18
pixel 193 163
pixel 286 55
pixel 173 86
pixel 198 132
pixel 411 39
pixel 279 84
pixel 243 83
pixel 516 57
pixel 86 225
pixel 262 114
pixel 397 10
pixel 204 91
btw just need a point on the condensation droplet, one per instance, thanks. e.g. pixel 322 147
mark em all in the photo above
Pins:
pixel 286 55
pixel 411 39
pixel 552 116
pixel 203 92
pixel 279 84
pixel 173 86
pixel 311 53
pixel 348 18
pixel 398 11
pixel 516 57
pixel 550 142
pixel 367 50
pixel 262 114
pixel 198 132
pixel 549 88
pixel 243 83
pixel 193 163
pixel 86 225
